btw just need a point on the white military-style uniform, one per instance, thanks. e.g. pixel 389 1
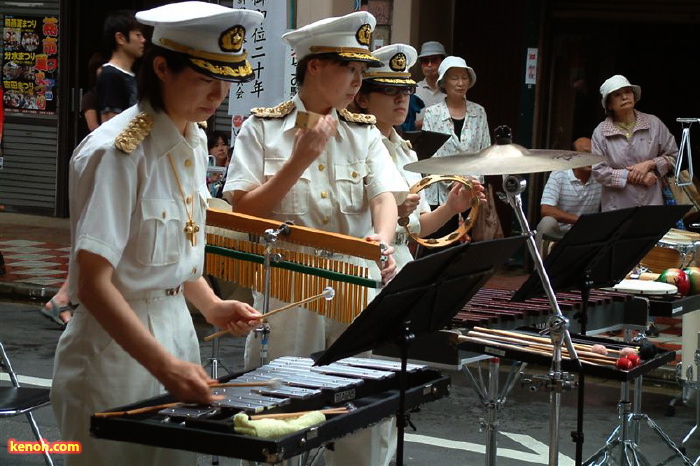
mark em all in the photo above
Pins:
pixel 333 194
pixel 128 209
pixel 401 154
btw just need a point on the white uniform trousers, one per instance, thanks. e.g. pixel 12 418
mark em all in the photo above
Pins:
pixel 92 373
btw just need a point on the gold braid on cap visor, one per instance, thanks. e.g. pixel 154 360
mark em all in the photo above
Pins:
pixel 242 70
pixel 346 52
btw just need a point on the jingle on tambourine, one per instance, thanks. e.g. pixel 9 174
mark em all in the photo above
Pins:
pixel 463 228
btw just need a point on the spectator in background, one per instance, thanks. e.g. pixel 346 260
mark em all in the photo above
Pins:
pixel 89 106
pixel 567 195
pixel 431 55
pixel 638 149
pixel 124 42
pixel 219 156
pixel 467 125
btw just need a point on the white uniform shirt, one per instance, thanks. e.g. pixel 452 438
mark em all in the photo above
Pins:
pixel 401 154
pixel 566 192
pixel 128 208
pixel 333 193
pixel 474 137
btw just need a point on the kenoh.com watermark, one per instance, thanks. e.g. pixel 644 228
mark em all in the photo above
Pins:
pixel 17 447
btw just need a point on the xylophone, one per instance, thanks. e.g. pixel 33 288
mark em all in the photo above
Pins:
pixel 493 308
pixel 370 385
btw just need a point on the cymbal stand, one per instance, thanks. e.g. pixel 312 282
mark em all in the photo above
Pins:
pixel 492 401
pixel 270 238
pixel 696 385
pixel 514 186
pixel 622 446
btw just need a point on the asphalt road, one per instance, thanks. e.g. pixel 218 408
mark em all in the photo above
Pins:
pixel 448 429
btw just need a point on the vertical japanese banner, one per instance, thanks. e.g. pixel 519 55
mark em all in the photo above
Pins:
pixel 268 56
pixel 30 63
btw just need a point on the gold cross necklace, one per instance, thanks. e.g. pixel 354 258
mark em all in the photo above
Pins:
pixel 191 228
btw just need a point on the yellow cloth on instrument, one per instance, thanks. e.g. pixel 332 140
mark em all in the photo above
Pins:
pixel 273 428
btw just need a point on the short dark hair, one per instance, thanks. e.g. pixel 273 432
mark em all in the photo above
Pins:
pixel 149 84
pixel 123 21
pixel 214 136
pixel 302 64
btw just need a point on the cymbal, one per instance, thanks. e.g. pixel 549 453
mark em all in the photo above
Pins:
pixel 504 159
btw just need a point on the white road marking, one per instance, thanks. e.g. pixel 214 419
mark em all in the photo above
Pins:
pixel 538 452
pixel 27 380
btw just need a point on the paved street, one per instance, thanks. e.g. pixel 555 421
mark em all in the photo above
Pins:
pixel 448 432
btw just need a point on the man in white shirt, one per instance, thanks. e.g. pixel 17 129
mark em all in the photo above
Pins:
pixel 431 55
pixel 567 195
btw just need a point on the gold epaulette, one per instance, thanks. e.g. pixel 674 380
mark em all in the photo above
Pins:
pixel 202 124
pixel 281 110
pixel 406 144
pixel 134 133
pixel 360 118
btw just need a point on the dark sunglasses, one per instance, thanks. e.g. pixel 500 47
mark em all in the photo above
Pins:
pixel 430 59
pixel 394 90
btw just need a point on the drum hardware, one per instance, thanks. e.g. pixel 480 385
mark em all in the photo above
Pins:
pixel 622 446
pixel 695 385
pixel 492 400
pixel 514 186
pixel 684 149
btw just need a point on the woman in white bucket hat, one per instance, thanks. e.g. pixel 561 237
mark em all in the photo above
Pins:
pixel 638 148
pixel 467 125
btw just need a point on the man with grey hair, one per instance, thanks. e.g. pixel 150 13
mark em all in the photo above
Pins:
pixel 431 55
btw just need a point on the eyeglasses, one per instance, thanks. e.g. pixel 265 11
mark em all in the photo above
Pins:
pixel 430 59
pixel 394 90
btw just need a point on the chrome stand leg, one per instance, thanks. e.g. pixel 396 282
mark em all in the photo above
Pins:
pixel 492 401
pixel 622 447
pixel 697 399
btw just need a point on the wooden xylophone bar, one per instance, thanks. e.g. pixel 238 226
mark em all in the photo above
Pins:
pixel 493 308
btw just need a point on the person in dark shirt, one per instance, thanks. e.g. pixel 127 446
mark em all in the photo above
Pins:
pixel 116 86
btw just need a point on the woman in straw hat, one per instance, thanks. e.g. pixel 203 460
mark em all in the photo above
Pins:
pixel 138 236
pixel 638 148
pixel 385 94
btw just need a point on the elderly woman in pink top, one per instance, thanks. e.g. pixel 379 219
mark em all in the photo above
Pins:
pixel 638 149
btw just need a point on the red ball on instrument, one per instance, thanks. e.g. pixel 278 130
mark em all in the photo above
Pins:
pixel 624 364
pixel 676 277
pixel 635 359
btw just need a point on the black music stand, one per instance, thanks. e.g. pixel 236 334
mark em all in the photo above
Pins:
pixel 426 143
pixel 421 299
pixel 599 251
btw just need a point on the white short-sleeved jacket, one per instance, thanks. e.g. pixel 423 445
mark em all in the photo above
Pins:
pixel 333 193
pixel 128 208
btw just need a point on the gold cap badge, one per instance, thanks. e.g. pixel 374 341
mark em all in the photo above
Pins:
pixel 398 62
pixel 364 35
pixel 231 40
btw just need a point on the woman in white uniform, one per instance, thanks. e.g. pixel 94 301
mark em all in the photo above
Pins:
pixel 385 94
pixel 138 198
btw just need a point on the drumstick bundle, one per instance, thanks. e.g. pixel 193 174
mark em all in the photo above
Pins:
pixel 535 345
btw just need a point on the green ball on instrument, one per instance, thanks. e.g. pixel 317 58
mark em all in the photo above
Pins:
pixel 693 274
pixel 676 277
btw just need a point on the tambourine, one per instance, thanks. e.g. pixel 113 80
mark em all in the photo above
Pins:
pixel 464 227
